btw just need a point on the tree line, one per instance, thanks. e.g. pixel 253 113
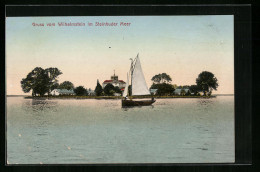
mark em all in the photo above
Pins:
pixel 206 83
pixel 43 81
pixel 109 90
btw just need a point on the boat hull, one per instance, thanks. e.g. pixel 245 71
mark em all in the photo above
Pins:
pixel 137 103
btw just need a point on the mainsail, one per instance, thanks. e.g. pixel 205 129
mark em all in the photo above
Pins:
pixel 126 87
pixel 139 86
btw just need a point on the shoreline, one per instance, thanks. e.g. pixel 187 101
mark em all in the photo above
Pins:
pixel 115 97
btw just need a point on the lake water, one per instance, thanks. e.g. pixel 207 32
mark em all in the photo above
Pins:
pixel 70 131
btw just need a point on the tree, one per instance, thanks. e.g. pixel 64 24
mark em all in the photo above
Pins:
pixel 36 81
pixel 156 79
pixel 109 89
pixel 166 78
pixel 66 85
pixel 185 86
pixel 163 89
pixel 98 89
pixel 174 86
pixel 161 78
pixel 183 92
pixel 27 84
pixel 188 93
pixel 80 91
pixel 53 74
pixel 179 87
pixel 117 90
pixel 206 81
pixel 55 86
pixel 40 81
pixel 111 92
pixel 194 89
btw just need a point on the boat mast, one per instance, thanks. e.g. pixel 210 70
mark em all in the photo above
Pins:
pixel 131 73
pixel 132 70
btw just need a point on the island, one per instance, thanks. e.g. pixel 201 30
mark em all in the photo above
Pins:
pixel 43 83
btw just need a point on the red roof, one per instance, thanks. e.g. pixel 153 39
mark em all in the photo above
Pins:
pixel 112 81
pixel 108 80
pixel 121 81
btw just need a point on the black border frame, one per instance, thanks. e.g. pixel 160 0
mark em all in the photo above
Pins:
pixel 242 52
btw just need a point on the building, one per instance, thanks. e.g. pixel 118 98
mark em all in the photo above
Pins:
pixel 178 91
pixel 91 92
pixel 115 82
pixel 153 91
pixel 117 94
pixel 57 92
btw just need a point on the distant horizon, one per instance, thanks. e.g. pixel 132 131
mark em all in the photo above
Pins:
pixel 181 46
pixel 212 94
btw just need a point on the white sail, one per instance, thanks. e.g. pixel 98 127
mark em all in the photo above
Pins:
pixel 126 87
pixel 139 86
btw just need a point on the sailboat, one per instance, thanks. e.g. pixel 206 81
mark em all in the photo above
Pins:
pixel 138 85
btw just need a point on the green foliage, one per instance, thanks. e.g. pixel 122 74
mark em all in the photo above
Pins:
pixel 111 92
pixel 188 93
pixel 117 90
pixel 40 81
pixel 195 89
pixel 98 89
pixel 179 87
pixel 66 85
pixel 161 78
pixel 37 81
pixel 54 86
pixel 53 74
pixel 174 86
pixel 108 88
pixel 80 91
pixel 185 86
pixel 206 81
pixel 183 92
pixel 163 89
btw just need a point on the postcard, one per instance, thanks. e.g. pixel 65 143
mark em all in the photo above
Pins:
pixel 120 89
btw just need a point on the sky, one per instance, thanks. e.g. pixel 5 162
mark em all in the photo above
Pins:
pixel 181 46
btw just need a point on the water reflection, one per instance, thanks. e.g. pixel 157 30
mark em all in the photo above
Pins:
pixel 38 102
pixel 171 130
pixel 205 103
pixel 126 108
pixel 38 105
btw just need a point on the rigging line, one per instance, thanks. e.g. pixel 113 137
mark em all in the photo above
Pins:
pixel 133 63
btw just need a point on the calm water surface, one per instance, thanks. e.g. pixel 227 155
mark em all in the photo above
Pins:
pixel 72 131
